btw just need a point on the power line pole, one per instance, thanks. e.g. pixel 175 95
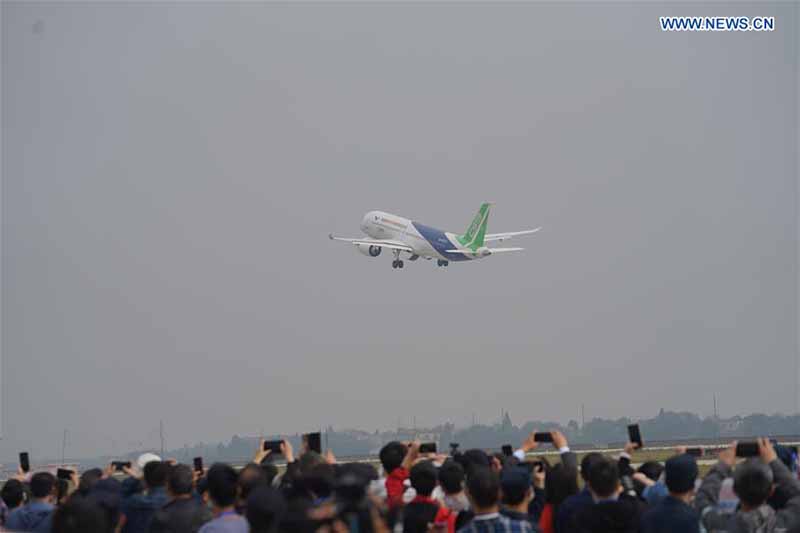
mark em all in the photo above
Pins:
pixel 161 436
pixel 64 446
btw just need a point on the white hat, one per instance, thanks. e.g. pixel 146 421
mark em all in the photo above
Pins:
pixel 146 458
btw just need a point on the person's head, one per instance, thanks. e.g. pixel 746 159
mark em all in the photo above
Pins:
pixel 603 478
pixel 515 485
pixel 308 461
pixel 13 493
pixel 250 477
pixel 560 482
pixel 222 485
pixel 451 477
pixel 180 480
pixel 473 458
pixel 752 483
pixel 586 464
pixel 423 478
pixel 483 489
pixel 88 479
pixel 43 485
pixel 320 479
pixel 79 515
pixel 266 507
pixel 680 473
pixel 155 474
pixel 651 469
pixel 391 456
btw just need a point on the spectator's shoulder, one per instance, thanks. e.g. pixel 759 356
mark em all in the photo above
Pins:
pixel 712 518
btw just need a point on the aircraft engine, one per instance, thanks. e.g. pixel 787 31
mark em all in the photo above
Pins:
pixel 369 250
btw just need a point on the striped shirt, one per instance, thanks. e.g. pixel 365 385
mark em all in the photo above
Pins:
pixel 496 523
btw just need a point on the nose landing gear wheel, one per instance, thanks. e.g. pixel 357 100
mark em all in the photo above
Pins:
pixel 442 263
pixel 397 263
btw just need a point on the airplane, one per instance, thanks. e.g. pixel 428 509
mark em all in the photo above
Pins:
pixel 401 235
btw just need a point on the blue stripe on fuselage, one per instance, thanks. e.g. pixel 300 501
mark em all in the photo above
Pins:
pixel 439 241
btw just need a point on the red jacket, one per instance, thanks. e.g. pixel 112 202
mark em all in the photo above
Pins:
pixel 547 519
pixel 443 514
pixel 395 487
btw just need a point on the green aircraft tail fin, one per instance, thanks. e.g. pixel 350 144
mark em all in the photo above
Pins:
pixel 473 237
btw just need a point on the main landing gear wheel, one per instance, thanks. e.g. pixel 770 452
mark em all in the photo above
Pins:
pixel 442 263
pixel 397 263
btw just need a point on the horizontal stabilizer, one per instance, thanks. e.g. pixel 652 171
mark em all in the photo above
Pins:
pixel 485 251
pixel 490 237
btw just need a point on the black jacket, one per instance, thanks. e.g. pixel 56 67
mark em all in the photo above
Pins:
pixel 671 516
pixel 184 515
pixel 417 516
pixel 621 516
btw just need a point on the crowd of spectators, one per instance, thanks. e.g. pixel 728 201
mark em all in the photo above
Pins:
pixel 418 491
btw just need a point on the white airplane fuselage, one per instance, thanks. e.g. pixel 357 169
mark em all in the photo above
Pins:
pixel 426 241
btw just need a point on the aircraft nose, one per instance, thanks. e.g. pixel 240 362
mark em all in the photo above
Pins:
pixel 365 221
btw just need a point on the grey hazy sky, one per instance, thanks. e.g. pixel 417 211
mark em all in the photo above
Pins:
pixel 171 173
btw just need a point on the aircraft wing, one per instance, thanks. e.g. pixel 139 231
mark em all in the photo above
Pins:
pixel 498 237
pixel 392 245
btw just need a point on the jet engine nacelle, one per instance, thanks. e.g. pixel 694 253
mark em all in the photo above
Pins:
pixel 369 250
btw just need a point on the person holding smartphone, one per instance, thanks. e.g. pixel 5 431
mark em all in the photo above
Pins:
pixel 675 513
pixel 753 481
pixel 183 512
pixel 140 502
pixel 37 515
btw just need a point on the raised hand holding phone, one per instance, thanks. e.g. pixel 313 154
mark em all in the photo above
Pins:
pixel 766 450
pixel 559 440
pixel 24 462
pixel 635 436
pixel 530 442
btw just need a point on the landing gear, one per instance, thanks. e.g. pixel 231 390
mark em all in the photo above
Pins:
pixel 397 263
pixel 442 262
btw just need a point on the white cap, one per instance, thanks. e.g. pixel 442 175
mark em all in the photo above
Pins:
pixel 146 458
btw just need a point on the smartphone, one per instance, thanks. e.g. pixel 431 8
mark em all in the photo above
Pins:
pixel 64 473
pixel 543 437
pixel 635 436
pixel 24 462
pixel 274 446
pixel 747 449
pixel 427 447
pixel 695 452
pixel 120 466
pixel 198 464
pixel 508 450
